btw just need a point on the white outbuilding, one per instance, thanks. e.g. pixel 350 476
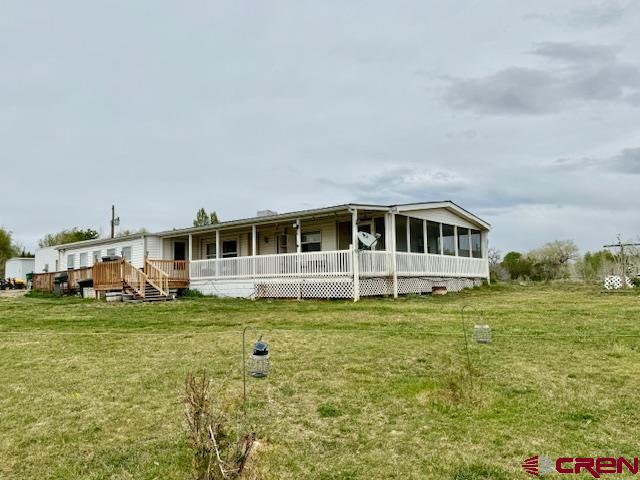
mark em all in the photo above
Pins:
pixel 19 267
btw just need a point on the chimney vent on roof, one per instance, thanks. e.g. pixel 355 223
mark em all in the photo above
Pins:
pixel 266 213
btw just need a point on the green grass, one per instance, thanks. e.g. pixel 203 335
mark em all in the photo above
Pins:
pixel 375 390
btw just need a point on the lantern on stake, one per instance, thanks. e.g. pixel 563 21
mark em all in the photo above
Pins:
pixel 257 363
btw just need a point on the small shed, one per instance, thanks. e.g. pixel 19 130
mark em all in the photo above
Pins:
pixel 19 267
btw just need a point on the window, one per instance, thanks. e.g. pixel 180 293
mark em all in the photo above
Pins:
pixel 463 242
pixel 71 260
pixel 401 233
pixel 97 254
pixel 310 242
pixel 126 253
pixel 210 250
pixel 111 252
pixel 416 235
pixel 448 239
pixel 476 244
pixel 379 228
pixel 229 249
pixel 433 237
pixel 84 257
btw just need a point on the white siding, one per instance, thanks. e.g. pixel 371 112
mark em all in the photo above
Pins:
pixel 154 247
pixel 441 215
pixel 136 244
pixel 46 257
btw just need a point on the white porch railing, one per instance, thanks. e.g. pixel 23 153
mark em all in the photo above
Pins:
pixel 309 264
pixel 374 263
pixel 338 263
pixel 415 264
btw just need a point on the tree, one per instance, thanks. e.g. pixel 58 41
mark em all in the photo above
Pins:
pixel 203 218
pixel 516 265
pixel 7 249
pixel 551 261
pixel 68 236
pixel 496 271
pixel 129 231
pixel 592 266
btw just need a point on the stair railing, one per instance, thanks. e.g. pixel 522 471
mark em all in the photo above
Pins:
pixel 136 279
pixel 158 278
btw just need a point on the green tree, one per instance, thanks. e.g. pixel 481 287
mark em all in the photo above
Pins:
pixel 593 265
pixel 517 265
pixel 130 231
pixel 203 218
pixel 7 249
pixel 552 260
pixel 67 236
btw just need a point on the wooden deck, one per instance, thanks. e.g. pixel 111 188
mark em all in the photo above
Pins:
pixel 164 275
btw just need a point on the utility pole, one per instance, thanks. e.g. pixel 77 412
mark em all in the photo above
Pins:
pixel 114 221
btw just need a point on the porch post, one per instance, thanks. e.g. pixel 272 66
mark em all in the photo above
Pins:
pixel 394 269
pixel 354 251
pixel 455 239
pixel 190 247
pixel 254 248
pixel 217 253
pixel 298 252
pixel 424 236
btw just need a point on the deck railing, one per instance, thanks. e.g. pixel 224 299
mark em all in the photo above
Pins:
pixel 107 275
pixel 177 270
pixel 416 264
pixel 157 277
pixel 313 264
pixel 339 263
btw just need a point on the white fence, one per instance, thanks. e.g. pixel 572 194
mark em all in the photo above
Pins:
pixel 339 263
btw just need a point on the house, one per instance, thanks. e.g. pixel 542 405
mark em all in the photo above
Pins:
pixel 302 254
pixel 18 268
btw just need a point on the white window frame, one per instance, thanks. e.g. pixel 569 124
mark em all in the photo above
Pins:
pixel 71 259
pixel 129 249
pixel 96 258
pixel 208 255
pixel 230 254
pixel 84 256
pixel 303 242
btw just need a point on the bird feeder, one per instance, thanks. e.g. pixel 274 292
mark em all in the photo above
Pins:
pixel 482 333
pixel 258 363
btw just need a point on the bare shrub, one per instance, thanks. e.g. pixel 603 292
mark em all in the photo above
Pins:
pixel 220 450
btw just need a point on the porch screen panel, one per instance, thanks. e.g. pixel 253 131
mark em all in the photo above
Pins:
pixel 476 244
pixel 416 233
pixel 463 242
pixel 401 233
pixel 379 227
pixel 448 239
pixel 433 237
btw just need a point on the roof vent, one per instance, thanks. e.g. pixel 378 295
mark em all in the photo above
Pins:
pixel 266 213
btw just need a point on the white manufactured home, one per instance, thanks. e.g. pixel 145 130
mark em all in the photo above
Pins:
pixel 305 254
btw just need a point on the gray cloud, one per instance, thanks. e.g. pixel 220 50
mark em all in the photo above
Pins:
pixel 600 14
pixel 627 161
pixel 575 52
pixel 581 73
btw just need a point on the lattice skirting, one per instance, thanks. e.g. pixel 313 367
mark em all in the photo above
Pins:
pixel 309 288
pixel 343 288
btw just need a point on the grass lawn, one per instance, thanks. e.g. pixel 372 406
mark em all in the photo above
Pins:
pixel 372 390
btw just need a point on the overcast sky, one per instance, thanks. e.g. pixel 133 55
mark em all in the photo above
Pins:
pixel 525 113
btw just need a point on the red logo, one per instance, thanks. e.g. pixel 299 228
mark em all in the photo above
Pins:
pixel 540 465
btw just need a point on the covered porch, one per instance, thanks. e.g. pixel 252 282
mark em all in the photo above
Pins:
pixel 323 248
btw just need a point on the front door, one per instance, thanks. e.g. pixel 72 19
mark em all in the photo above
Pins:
pixel 179 251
